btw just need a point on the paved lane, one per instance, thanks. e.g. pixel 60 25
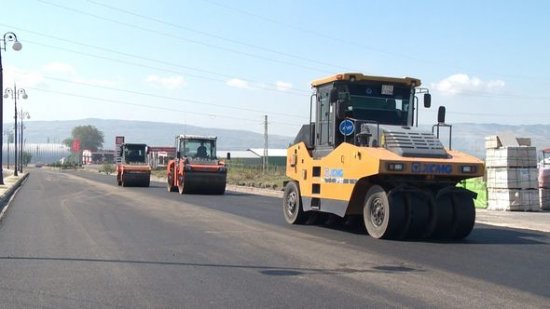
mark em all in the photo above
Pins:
pixel 80 241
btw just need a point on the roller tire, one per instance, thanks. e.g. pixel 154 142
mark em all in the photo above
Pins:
pixel 418 216
pixel 443 227
pixel 292 204
pixel 220 191
pixel 383 219
pixel 464 215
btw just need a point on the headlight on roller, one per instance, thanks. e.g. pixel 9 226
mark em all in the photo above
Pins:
pixel 468 169
pixel 395 167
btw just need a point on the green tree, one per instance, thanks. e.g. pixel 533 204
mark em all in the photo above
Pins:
pixel 90 137
pixel 26 158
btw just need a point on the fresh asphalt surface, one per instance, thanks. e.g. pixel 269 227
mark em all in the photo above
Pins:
pixel 75 239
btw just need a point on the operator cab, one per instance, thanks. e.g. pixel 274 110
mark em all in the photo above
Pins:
pixel 133 153
pixel 346 103
pixel 196 147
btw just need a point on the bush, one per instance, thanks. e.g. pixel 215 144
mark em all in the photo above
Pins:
pixel 107 168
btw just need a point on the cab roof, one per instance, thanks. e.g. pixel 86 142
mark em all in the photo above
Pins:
pixel 187 136
pixel 409 81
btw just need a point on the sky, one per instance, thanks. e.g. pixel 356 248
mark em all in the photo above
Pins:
pixel 227 64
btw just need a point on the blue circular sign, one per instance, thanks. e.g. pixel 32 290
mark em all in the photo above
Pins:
pixel 347 127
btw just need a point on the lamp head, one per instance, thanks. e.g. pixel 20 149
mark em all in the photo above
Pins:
pixel 25 96
pixel 17 46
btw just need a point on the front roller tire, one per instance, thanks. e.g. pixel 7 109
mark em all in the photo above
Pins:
pixel 292 204
pixel 382 219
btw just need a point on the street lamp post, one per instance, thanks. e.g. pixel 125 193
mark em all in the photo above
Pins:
pixel 8 37
pixel 23 115
pixel 15 93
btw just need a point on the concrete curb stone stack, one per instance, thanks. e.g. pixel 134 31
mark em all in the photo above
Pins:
pixel 544 185
pixel 512 174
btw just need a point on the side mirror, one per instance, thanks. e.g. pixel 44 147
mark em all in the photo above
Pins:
pixel 333 95
pixel 341 108
pixel 228 157
pixel 178 154
pixel 441 114
pixel 427 100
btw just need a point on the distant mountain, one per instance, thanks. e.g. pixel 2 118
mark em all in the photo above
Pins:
pixel 151 133
pixel 468 137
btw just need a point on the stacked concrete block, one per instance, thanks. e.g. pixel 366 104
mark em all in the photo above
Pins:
pixel 544 194
pixel 544 186
pixel 512 174
pixel 513 199
pixel 509 177
pixel 515 156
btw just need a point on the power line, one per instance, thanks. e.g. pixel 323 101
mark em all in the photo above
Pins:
pixel 309 31
pixel 152 106
pixel 208 34
pixel 290 91
pixel 168 97
pixel 225 6
pixel 119 61
pixel 184 39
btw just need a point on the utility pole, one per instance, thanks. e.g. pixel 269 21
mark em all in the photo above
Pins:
pixel 266 146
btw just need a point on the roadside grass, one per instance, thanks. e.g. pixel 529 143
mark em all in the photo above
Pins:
pixel 272 178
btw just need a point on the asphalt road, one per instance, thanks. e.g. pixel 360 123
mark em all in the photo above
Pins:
pixel 76 240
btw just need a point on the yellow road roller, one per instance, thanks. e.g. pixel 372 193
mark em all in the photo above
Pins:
pixel 362 154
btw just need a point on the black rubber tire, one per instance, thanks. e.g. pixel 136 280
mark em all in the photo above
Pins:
pixel 444 217
pixel 432 222
pixel 292 204
pixel 169 182
pixel 382 219
pixel 220 191
pixel 418 215
pixel 464 215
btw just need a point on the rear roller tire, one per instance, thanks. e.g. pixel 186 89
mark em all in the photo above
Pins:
pixel 464 215
pixel 292 204
pixel 443 227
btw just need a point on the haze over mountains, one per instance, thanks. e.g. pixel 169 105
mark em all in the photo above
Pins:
pixel 468 137
pixel 150 133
